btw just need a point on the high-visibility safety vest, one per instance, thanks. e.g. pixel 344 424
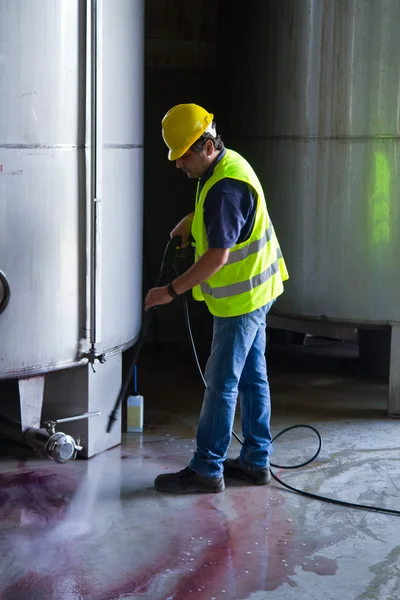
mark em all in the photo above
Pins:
pixel 255 270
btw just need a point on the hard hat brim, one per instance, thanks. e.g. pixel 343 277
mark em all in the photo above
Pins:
pixel 175 154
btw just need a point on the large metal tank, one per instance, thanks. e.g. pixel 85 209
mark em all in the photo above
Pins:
pixel 71 153
pixel 316 109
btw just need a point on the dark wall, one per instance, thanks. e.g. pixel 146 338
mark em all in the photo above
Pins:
pixel 194 53
pixel 181 61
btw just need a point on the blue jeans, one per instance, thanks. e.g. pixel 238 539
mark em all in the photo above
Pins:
pixel 236 364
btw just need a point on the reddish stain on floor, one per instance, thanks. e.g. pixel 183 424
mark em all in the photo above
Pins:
pixel 42 495
pixel 229 546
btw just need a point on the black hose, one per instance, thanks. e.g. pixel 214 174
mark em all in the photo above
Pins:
pixel 167 261
pixel 128 381
pixel 285 485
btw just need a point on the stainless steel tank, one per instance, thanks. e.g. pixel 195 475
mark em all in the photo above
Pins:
pixel 316 109
pixel 71 154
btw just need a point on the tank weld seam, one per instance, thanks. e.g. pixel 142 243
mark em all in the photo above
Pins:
pixel 67 146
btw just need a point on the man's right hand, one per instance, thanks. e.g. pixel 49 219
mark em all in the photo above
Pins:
pixel 183 229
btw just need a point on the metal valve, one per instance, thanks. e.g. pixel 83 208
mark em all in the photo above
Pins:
pixel 62 447
pixel 50 426
pixel 92 357
pixel 58 446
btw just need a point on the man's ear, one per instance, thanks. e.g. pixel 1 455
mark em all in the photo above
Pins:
pixel 209 147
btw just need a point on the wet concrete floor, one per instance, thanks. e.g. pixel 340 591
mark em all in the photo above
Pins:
pixel 97 530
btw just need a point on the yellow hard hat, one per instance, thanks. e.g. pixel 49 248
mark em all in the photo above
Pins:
pixel 182 126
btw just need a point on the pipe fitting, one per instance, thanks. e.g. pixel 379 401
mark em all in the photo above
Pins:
pixel 58 447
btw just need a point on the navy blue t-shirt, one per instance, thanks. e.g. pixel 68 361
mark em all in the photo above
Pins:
pixel 229 210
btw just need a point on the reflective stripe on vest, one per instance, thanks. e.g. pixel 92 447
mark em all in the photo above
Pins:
pixel 252 248
pixel 233 289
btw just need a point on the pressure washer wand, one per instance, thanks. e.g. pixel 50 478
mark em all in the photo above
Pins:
pixel 167 261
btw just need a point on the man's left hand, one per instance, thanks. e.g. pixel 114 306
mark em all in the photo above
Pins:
pixel 156 297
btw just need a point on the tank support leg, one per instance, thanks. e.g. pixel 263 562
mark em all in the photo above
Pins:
pixel 394 375
pixel 77 391
pixel 31 401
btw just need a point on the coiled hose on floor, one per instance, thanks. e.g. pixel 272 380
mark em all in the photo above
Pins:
pixel 168 262
pixel 281 433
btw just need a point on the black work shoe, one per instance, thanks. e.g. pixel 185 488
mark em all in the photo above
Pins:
pixel 235 470
pixel 188 482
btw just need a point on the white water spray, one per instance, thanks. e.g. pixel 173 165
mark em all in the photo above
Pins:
pixel 80 514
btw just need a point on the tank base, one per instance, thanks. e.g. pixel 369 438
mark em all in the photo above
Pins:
pixel 379 347
pixel 31 393
pixel 394 376
pixel 77 391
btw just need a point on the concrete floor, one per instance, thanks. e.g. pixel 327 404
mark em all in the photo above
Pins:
pixel 97 530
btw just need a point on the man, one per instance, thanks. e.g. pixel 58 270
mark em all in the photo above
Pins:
pixel 239 272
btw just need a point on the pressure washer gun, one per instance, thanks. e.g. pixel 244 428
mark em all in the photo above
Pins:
pixel 169 256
